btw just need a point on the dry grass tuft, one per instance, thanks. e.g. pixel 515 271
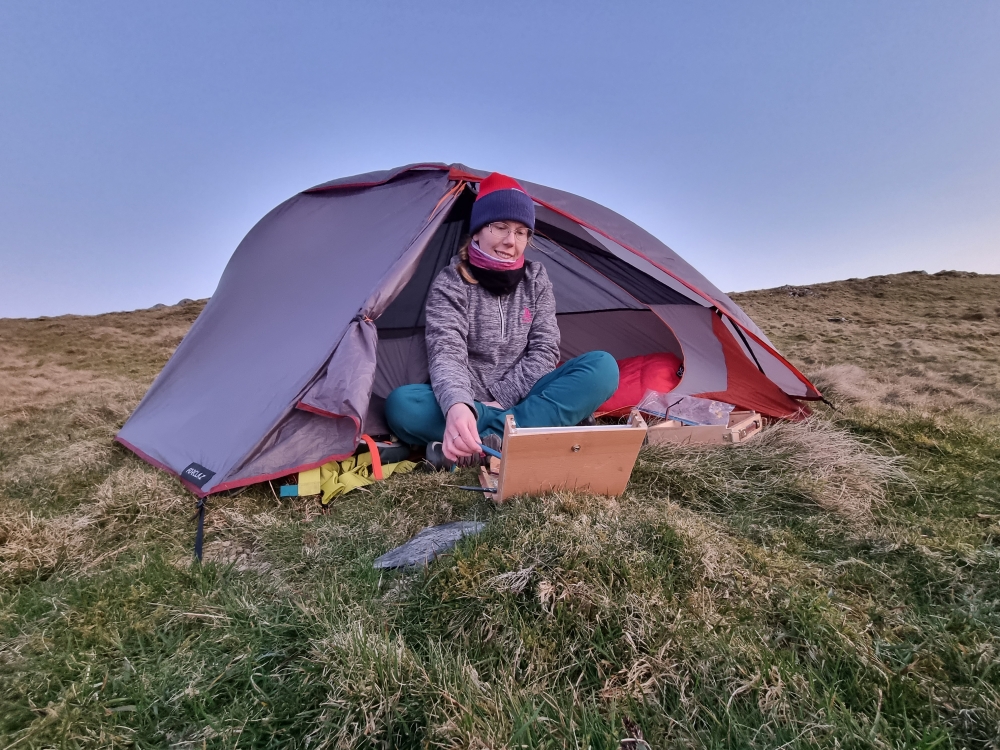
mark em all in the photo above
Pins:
pixel 812 461
pixel 31 384
pixel 714 553
pixel 843 473
pixel 137 490
pixel 116 518
pixel 242 555
pixel 84 455
pixel 913 389
pixel 31 546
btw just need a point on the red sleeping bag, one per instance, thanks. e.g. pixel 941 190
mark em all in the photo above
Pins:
pixel 636 375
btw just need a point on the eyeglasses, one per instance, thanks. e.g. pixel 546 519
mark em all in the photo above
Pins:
pixel 501 230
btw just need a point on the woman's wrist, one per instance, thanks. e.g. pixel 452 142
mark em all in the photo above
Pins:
pixel 454 410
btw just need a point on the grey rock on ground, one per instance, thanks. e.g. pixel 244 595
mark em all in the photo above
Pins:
pixel 428 544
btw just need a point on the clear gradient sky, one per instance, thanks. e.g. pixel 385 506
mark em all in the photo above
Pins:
pixel 767 142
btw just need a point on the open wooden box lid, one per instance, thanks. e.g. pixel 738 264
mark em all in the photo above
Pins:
pixel 596 459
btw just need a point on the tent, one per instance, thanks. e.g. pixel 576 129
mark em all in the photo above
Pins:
pixel 320 313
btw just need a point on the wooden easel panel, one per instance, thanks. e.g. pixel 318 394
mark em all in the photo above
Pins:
pixel 597 459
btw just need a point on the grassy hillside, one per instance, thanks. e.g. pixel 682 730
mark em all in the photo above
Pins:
pixel 831 584
pixel 909 340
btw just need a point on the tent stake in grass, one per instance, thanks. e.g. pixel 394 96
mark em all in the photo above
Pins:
pixel 199 534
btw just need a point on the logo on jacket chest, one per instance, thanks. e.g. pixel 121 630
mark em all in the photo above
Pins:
pixel 526 316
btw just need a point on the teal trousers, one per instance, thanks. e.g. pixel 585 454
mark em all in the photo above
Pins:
pixel 563 397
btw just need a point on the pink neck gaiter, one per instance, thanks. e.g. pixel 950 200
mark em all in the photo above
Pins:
pixel 481 260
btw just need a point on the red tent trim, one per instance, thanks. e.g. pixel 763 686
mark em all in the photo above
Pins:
pixel 746 386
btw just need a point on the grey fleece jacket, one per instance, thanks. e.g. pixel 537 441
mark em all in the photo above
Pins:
pixel 481 347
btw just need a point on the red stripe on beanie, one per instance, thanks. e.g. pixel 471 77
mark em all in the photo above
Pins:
pixel 501 198
pixel 497 181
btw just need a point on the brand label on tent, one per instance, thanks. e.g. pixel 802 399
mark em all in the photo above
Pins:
pixel 197 475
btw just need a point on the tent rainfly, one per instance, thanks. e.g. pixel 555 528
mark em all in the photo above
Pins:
pixel 320 314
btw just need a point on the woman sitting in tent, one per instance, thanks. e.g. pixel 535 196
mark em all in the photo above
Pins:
pixel 493 342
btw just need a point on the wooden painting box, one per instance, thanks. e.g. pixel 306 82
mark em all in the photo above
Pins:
pixel 537 460
pixel 743 425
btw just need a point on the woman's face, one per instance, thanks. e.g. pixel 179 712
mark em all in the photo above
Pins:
pixel 505 245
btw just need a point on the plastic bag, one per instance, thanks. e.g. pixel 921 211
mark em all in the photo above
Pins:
pixel 686 409
pixel 692 410
pixel 656 403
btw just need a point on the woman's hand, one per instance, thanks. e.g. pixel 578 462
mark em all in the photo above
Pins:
pixel 461 438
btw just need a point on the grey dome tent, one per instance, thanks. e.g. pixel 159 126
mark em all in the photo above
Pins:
pixel 320 313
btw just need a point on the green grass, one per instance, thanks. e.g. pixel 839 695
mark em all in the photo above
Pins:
pixel 717 604
pixel 828 584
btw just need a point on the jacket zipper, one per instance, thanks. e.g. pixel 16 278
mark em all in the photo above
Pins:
pixel 500 308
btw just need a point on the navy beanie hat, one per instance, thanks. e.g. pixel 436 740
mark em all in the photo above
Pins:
pixel 501 198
